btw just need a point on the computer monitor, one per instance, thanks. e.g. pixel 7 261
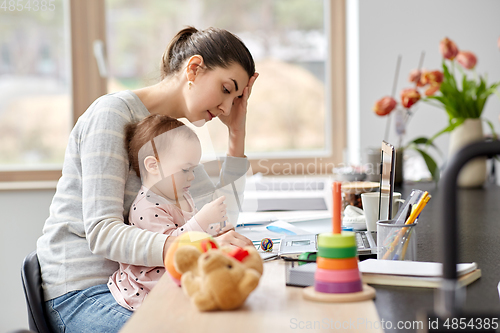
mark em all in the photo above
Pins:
pixel 387 168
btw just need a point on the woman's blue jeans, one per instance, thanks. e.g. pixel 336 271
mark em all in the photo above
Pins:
pixel 91 310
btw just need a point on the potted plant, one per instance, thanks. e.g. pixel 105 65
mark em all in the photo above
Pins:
pixel 463 100
pixel 403 112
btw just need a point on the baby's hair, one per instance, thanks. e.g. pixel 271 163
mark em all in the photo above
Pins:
pixel 218 47
pixel 140 135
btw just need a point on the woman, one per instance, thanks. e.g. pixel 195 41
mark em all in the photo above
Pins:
pixel 205 74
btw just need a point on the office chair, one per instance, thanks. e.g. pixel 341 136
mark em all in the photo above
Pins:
pixel 32 284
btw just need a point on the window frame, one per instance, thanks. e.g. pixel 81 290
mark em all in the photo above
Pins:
pixel 336 103
pixel 88 23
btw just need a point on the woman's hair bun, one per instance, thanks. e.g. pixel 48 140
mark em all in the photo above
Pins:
pixel 218 47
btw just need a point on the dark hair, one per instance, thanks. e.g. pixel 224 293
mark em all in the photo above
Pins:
pixel 218 47
pixel 139 138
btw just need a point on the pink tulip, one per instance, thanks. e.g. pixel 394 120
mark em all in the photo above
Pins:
pixel 466 59
pixel 384 106
pixel 448 48
pixel 432 77
pixel 432 89
pixel 409 97
pixel 416 77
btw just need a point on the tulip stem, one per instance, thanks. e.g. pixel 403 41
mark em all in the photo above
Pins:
pixel 387 126
pixel 395 81
pixel 474 73
pixel 394 86
pixel 421 61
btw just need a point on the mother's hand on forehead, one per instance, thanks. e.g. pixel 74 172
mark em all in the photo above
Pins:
pixel 236 120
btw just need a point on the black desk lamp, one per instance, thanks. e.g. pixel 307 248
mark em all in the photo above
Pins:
pixel 450 297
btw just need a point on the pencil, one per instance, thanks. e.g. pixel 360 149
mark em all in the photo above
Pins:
pixel 421 207
pixel 415 213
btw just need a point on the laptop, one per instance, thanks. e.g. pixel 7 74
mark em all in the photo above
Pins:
pixel 292 246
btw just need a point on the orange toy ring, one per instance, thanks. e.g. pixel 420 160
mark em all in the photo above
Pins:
pixel 327 263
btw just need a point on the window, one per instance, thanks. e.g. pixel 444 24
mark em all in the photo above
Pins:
pixel 48 77
pixel 286 37
pixel 296 112
pixel 35 83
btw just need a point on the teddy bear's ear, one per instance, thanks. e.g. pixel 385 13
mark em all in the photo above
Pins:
pixel 253 260
pixel 186 258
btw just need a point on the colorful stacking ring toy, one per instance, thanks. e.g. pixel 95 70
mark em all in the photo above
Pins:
pixel 346 263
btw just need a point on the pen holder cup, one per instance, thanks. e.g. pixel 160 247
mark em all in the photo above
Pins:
pixel 396 241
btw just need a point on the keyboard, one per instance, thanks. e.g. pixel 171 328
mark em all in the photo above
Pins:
pixel 361 241
pixel 293 245
pixel 364 244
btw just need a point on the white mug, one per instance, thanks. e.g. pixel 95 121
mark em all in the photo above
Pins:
pixel 370 207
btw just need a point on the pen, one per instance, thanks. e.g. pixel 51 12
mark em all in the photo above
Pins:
pixel 408 212
pixel 407 235
pixel 405 246
pixel 413 214
pixel 420 208
pixel 416 212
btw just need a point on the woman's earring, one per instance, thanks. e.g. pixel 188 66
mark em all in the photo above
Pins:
pixel 190 84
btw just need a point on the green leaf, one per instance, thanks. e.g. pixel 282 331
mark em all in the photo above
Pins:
pixel 448 77
pixel 453 124
pixel 431 165
pixel 466 101
pixel 493 133
pixel 423 141
pixel 420 141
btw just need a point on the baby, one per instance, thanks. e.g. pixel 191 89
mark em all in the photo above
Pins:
pixel 163 152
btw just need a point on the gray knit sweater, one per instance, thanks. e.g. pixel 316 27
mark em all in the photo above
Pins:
pixel 85 236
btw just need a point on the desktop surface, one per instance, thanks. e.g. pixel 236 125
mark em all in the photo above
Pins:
pixel 478 231
pixel 271 307
pixel 479 227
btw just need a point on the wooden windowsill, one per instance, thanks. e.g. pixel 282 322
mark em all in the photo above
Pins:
pixel 30 175
pixel 28 185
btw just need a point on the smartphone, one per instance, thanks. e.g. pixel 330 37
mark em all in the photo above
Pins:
pixel 387 171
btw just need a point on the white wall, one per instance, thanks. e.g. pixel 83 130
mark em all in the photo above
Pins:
pixel 22 216
pixel 388 28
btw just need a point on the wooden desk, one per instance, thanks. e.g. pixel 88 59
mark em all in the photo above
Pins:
pixel 272 307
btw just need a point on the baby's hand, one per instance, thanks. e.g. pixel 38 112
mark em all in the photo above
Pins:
pixel 215 229
pixel 213 212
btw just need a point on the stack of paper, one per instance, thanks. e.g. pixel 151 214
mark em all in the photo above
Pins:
pixel 392 273
pixel 413 273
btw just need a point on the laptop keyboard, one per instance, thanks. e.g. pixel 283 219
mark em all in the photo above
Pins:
pixel 361 241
